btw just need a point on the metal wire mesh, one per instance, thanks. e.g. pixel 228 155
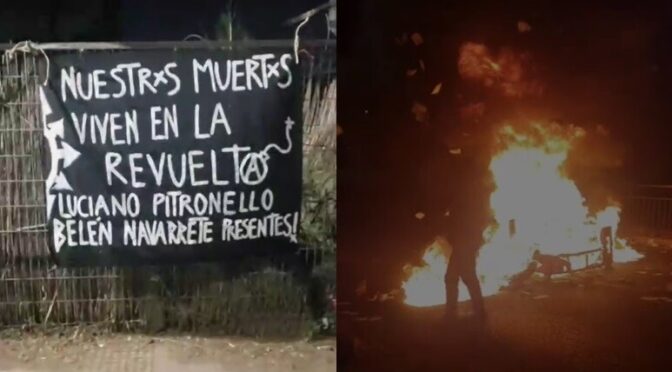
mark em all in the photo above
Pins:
pixel 265 300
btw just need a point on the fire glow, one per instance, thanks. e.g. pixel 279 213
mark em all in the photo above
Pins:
pixel 550 214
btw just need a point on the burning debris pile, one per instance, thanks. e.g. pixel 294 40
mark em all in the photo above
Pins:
pixel 535 207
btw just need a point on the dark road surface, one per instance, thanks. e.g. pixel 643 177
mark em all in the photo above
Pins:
pixel 590 321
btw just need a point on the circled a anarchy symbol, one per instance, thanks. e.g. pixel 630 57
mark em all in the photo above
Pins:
pixel 254 168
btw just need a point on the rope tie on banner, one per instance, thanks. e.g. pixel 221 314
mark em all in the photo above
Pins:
pixel 296 38
pixel 193 36
pixel 28 47
pixel 197 37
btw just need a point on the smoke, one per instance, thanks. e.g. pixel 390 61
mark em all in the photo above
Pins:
pixel 472 111
pixel 598 150
pixel 507 72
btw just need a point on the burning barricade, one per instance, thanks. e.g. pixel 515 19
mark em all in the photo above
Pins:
pixel 541 221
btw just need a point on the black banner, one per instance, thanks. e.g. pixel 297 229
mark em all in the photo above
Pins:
pixel 172 155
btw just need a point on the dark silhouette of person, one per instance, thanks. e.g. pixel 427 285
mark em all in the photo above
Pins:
pixel 467 221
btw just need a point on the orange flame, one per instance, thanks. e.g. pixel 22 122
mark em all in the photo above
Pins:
pixel 424 286
pixel 548 209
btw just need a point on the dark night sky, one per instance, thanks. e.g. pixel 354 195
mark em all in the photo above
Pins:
pixel 141 20
pixel 601 62
pixel 175 19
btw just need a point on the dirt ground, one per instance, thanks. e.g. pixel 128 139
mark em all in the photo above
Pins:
pixel 77 350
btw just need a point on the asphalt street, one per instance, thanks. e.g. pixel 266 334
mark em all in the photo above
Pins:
pixel 594 320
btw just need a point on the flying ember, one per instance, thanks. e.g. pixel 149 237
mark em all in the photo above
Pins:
pixel 546 209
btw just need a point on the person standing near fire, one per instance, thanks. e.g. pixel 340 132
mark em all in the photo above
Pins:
pixel 467 219
pixel 475 107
